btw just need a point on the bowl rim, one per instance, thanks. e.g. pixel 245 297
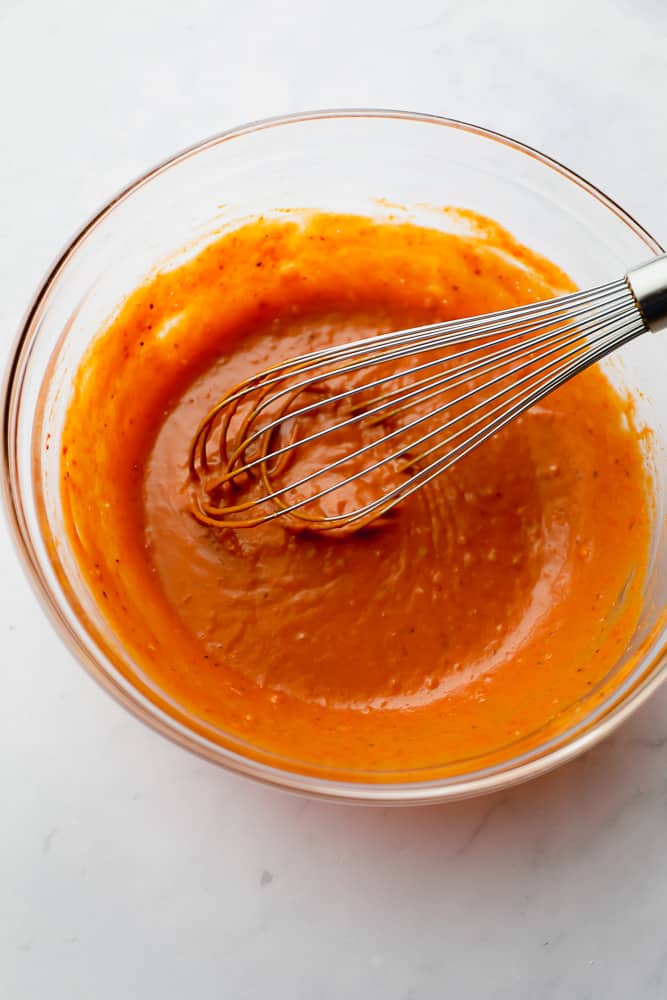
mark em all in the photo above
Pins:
pixel 618 707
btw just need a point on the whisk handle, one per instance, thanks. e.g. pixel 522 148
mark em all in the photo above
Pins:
pixel 648 284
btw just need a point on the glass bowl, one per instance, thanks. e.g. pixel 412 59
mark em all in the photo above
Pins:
pixel 368 162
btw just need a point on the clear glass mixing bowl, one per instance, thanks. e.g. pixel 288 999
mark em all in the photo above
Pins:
pixel 371 162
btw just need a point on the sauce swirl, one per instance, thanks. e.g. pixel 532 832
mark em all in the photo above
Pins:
pixel 481 614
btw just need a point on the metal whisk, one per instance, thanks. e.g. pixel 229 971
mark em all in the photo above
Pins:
pixel 335 439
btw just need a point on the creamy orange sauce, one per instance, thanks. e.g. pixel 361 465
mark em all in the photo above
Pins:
pixel 478 618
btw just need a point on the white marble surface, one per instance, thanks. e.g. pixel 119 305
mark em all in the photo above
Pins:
pixel 131 870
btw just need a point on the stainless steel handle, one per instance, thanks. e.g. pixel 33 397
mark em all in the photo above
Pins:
pixel 648 284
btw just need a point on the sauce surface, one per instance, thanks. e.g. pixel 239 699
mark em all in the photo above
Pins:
pixel 476 619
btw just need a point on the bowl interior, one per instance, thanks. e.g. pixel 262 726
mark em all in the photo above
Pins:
pixel 378 164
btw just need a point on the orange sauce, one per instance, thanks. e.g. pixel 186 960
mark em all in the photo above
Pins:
pixel 481 617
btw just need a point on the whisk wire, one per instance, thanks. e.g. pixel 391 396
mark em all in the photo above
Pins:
pixel 436 343
pixel 416 338
pixel 522 401
pixel 452 379
pixel 466 378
